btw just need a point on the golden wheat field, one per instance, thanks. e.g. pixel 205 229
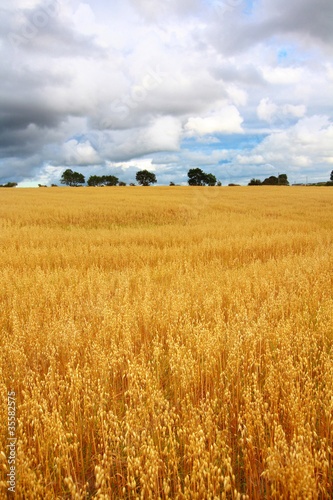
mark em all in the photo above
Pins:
pixel 167 342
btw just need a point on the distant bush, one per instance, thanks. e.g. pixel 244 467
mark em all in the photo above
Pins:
pixel 102 180
pixel 281 180
pixel 9 185
pixel 254 182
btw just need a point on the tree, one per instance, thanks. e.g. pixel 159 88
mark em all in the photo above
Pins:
pixel 110 180
pixel 102 180
pixel 219 183
pixel 172 184
pixel 254 182
pixel 94 180
pixel 283 180
pixel 210 179
pixel 145 178
pixel 331 176
pixel 71 178
pixel 196 177
pixel 271 181
pixel 9 185
pixel 121 183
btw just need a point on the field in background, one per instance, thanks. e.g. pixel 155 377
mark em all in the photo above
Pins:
pixel 168 342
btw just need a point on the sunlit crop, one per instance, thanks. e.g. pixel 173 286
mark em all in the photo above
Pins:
pixel 168 342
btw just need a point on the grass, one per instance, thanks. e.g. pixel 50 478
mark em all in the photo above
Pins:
pixel 168 343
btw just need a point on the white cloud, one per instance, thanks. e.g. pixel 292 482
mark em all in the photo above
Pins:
pixel 80 153
pixel 283 76
pixel 164 134
pixel 226 120
pixel 307 144
pixel 297 111
pixel 250 159
pixel 79 91
pixel 237 95
pixel 266 110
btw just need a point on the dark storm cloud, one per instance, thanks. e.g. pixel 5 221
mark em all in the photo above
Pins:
pixel 309 18
pixel 308 21
pixel 89 84
pixel 43 30
pixel 248 73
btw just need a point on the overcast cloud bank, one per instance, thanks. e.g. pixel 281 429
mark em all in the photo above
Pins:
pixel 241 89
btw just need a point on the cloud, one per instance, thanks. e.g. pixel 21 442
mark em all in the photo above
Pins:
pixel 226 120
pixel 152 10
pixel 79 153
pixel 310 21
pixel 308 145
pixel 294 110
pixel 284 76
pixel 305 22
pixel 161 134
pixel 95 85
pixel 268 111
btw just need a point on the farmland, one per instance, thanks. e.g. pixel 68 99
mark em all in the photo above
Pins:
pixel 168 342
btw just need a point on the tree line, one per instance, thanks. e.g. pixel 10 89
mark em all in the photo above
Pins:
pixel 281 180
pixel 8 185
pixel 70 178
pixel 196 177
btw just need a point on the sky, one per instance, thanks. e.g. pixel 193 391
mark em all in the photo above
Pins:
pixel 238 88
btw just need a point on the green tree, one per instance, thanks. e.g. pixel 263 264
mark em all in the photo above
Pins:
pixel 196 177
pixel 102 180
pixel 283 180
pixel 110 180
pixel 210 179
pixel 331 176
pixel 121 183
pixel 271 181
pixel 145 178
pixel 254 182
pixel 95 180
pixel 9 185
pixel 71 178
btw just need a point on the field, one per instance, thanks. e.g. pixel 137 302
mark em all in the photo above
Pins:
pixel 167 342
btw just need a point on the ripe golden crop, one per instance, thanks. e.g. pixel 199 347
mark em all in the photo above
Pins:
pixel 168 343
